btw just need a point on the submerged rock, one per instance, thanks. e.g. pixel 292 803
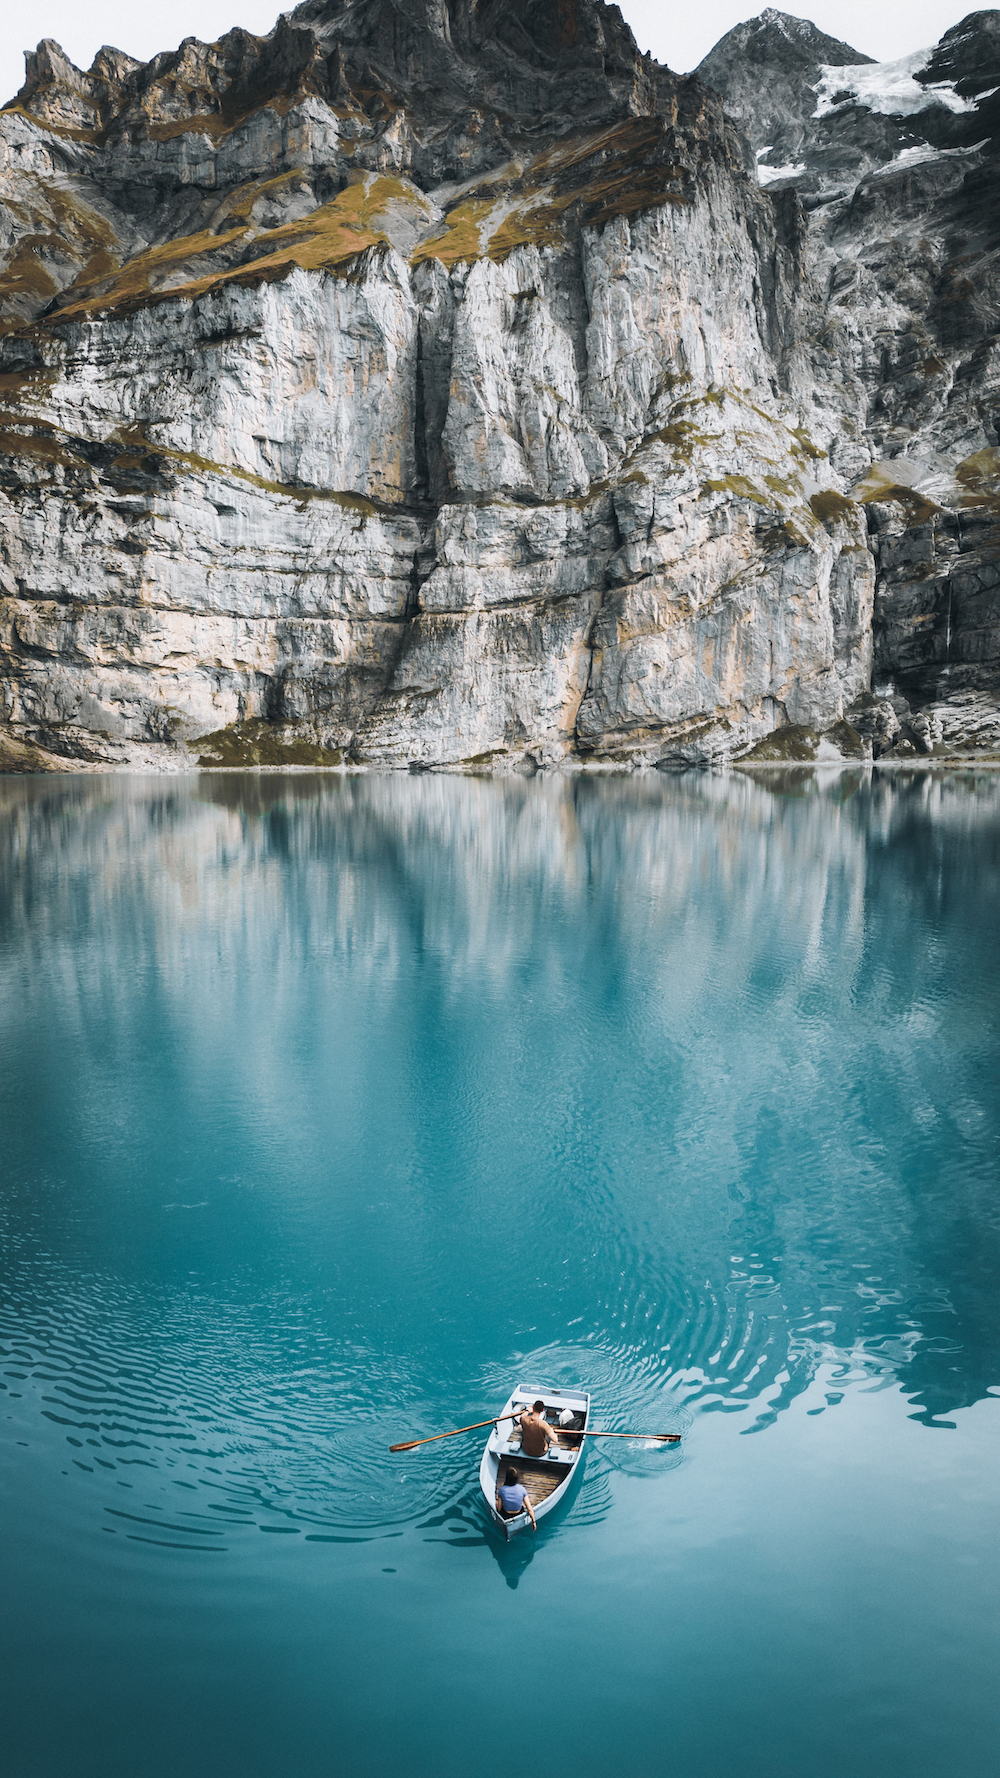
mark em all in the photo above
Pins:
pixel 437 386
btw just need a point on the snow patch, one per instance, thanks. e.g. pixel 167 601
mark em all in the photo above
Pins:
pixel 921 152
pixel 888 88
pixel 768 175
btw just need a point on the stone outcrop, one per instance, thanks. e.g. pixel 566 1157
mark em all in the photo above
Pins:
pixel 896 166
pixel 437 385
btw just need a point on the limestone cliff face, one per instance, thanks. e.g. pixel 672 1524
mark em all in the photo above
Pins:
pixel 897 168
pixel 435 384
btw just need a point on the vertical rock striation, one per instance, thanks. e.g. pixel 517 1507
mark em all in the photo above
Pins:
pixel 896 165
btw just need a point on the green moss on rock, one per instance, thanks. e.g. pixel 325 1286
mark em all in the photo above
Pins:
pixel 743 488
pixel 803 445
pixel 785 744
pixel 828 505
pixel 847 739
pixel 245 744
pixel 796 744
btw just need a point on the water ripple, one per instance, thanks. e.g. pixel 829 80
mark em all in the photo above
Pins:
pixel 330 1114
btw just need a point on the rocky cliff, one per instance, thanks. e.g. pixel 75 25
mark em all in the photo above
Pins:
pixel 447 384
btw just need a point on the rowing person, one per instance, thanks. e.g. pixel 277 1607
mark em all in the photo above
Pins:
pixel 512 1497
pixel 536 1433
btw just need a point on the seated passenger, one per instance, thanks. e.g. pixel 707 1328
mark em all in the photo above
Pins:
pixel 536 1434
pixel 512 1497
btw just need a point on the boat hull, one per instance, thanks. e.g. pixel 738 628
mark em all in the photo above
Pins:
pixel 549 1479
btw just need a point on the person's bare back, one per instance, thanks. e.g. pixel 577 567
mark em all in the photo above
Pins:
pixel 536 1434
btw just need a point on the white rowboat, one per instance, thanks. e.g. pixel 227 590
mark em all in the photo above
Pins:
pixel 547 1479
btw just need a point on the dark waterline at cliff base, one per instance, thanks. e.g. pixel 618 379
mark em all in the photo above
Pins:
pixel 331 1107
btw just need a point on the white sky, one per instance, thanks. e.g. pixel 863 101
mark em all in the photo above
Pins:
pixel 676 34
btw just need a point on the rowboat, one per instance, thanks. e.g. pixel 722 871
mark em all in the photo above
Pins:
pixel 547 1479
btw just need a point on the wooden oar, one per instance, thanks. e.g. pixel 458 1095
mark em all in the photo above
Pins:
pixel 666 1438
pixel 414 1442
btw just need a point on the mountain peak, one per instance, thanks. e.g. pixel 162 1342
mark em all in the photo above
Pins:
pixel 779 39
pixel 767 70
pixel 496 50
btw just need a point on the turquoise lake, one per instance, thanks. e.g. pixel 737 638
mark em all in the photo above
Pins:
pixel 333 1107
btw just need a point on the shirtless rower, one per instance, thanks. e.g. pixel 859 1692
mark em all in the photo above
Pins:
pixel 536 1434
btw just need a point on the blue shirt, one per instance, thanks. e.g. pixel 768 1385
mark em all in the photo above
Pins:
pixel 513 1497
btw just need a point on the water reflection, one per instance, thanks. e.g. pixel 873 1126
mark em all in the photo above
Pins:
pixel 330 1104
pixel 514 1559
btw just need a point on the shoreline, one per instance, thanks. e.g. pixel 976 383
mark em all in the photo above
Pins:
pixel 948 764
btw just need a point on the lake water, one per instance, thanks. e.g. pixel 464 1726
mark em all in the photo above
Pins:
pixel 333 1107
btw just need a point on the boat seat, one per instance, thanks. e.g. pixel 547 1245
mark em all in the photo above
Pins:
pixel 515 1453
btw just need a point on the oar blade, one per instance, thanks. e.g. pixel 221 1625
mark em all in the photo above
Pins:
pixel 666 1438
pixel 433 1437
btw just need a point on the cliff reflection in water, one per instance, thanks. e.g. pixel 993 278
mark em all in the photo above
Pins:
pixel 681 1085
